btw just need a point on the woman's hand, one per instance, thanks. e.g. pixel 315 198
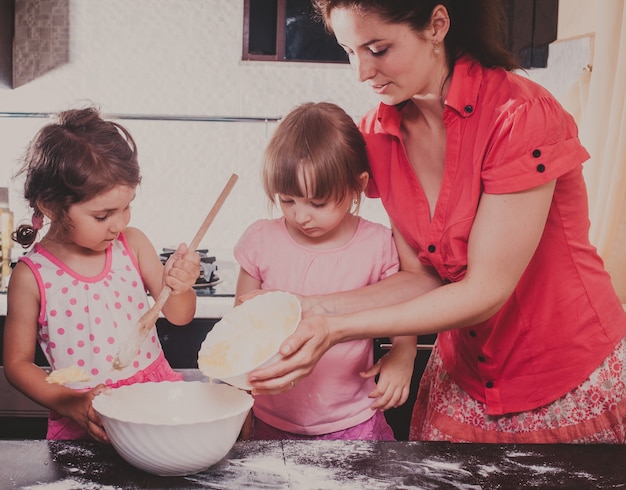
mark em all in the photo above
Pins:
pixel 301 352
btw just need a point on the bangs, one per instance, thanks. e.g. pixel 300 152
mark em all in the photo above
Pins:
pixel 317 152
pixel 306 178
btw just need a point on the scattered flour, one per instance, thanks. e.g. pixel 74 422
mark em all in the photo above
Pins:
pixel 70 484
pixel 445 466
pixel 486 470
pixel 543 469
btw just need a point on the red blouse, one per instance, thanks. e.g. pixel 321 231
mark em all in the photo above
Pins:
pixel 504 134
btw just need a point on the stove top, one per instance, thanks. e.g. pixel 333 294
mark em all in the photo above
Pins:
pixel 227 272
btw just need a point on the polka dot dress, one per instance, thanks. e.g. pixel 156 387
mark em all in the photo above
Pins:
pixel 83 319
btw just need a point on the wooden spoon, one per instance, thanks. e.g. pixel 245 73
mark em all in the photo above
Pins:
pixel 129 349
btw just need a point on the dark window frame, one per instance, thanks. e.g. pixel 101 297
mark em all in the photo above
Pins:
pixel 280 35
pixel 280 45
pixel 533 25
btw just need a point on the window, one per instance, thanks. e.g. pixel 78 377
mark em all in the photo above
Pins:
pixel 532 27
pixel 285 30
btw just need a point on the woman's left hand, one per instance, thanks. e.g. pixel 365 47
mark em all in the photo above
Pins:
pixel 301 351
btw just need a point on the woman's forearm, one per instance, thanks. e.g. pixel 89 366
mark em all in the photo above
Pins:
pixel 395 289
pixel 454 305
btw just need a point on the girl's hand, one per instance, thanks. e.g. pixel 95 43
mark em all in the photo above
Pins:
pixel 80 409
pixel 395 370
pixel 95 427
pixel 301 351
pixel 182 269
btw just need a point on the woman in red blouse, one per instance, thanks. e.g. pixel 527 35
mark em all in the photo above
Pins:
pixel 480 171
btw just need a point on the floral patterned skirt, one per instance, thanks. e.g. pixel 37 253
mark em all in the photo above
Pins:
pixel 594 412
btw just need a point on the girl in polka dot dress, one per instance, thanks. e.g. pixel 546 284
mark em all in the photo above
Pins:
pixel 81 289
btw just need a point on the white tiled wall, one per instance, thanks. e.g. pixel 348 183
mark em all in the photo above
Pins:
pixel 181 57
pixel 176 57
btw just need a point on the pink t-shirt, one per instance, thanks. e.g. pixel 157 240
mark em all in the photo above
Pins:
pixel 83 319
pixel 506 134
pixel 333 397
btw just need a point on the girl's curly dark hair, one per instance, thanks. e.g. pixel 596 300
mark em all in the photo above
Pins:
pixel 71 160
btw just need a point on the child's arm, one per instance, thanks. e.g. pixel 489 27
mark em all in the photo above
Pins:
pixel 20 337
pixel 180 273
pixel 245 284
pixel 395 370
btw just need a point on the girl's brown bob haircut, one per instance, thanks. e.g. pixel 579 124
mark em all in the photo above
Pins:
pixel 318 144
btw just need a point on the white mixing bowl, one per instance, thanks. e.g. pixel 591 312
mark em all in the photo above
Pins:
pixel 248 337
pixel 173 428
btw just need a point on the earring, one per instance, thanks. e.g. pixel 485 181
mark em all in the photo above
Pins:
pixel 355 201
pixel 436 48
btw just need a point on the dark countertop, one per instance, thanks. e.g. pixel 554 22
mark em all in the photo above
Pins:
pixel 63 465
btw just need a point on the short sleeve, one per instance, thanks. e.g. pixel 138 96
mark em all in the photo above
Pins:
pixel 391 261
pixel 246 248
pixel 375 248
pixel 535 143
pixel 378 126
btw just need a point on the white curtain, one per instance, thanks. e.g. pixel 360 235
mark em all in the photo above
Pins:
pixel 598 101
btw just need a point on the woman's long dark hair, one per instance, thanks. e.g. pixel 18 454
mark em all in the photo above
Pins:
pixel 478 28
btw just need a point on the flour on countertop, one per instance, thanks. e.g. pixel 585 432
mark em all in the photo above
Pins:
pixel 70 484
pixel 75 451
pixel 331 465
pixel 518 454
pixel 298 467
pixel 486 470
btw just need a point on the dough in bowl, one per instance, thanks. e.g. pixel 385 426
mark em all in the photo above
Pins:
pixel 248 336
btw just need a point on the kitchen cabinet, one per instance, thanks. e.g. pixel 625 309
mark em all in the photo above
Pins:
pixel 181 344
pixel 41 38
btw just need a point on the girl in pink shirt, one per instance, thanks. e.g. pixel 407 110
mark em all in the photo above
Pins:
pixel 82 288
pixel 316 169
